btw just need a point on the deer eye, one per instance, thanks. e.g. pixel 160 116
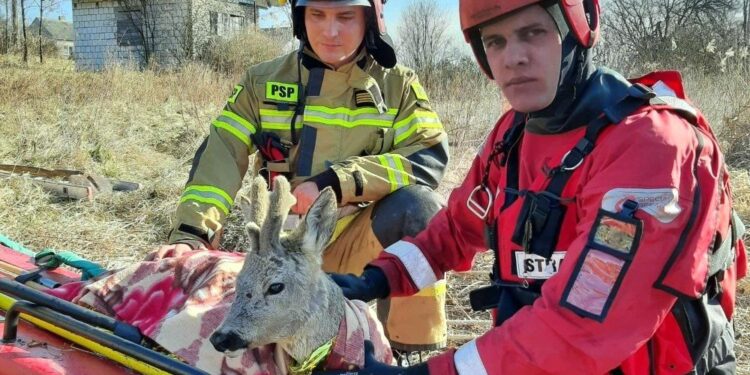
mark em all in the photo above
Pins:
pixel 249 295
pixel 275 288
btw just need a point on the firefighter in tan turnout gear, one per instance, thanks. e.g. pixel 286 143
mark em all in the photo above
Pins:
pixel 339 112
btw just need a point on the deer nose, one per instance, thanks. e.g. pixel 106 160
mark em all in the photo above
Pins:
pixel 227 341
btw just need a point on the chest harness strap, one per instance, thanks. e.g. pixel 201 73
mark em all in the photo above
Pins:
pixel 540 220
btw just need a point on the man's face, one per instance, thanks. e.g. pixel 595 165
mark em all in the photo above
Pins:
pixel 524 52
pixel 335 33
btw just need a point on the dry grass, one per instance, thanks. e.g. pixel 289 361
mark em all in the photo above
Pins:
pixel 146 126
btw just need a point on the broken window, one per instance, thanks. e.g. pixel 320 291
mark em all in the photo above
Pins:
pixel 129 23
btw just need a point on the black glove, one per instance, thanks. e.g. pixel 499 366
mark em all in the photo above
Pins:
pixel 372 284
pixel 373 367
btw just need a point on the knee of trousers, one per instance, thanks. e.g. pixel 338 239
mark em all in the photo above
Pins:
pixel 405 212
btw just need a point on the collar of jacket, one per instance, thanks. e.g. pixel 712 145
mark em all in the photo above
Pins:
pixel 310 60
pixel 355 74
pixel 603 88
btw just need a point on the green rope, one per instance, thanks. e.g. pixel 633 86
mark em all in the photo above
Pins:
pixel 51 259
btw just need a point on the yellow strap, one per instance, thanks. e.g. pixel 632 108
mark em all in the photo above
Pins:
pixel 316 357
pixel 141 367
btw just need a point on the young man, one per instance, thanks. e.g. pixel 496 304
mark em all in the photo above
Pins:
pixel 339 113
pixel 606 202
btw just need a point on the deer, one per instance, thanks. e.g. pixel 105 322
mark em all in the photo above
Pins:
pixel 282 295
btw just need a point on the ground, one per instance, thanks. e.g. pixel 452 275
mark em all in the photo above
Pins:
pixel 145 127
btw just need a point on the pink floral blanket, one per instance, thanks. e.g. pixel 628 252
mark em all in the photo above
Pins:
pixel 179 302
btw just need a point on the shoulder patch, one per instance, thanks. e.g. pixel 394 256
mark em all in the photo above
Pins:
pixel 282 92
pixel 419 91
pixel 659 203
pixel 237 90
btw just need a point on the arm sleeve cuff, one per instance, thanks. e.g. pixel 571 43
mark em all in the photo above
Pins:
pixel 399 282
pixel 326 179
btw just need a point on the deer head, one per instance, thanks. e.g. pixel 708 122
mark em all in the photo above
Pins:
pixel 281 286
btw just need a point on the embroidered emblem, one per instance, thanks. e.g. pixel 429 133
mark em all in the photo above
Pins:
pixel 237 90
pixel 283 92
pixel 363 99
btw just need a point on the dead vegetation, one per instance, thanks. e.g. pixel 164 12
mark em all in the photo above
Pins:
pixel 145 127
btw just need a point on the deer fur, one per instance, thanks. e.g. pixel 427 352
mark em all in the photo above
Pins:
pixel 306 313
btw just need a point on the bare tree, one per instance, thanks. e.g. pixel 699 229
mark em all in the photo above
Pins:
pixel 23 26
pixel 6 36
pixel 746 21
pixel 424 40
pixel 13 23
pixel 647 29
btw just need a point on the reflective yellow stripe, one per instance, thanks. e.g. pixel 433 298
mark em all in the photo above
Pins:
pixel 348 123
pixel 229 128
pixel 209 195
pixel 391 176
pixel 341 116
pixel 250 127
pixel 348 111
pixel 417 120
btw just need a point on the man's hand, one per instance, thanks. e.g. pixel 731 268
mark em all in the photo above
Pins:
pixel 170 251
pixel 371 285
pixel 374 367
pixel 306 193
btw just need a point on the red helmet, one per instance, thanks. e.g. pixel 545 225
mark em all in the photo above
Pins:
pixel 582 17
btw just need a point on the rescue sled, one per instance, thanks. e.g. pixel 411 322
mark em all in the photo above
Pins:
pixel 43 334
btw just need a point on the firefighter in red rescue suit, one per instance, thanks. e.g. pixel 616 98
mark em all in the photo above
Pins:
pixel 339 113
pixel 606 202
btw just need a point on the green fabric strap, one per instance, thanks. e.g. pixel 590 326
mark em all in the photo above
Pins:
pixel 49 259
pixel 15 246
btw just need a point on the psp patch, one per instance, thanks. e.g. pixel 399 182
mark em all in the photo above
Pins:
pixel 602 266
pixel 282 92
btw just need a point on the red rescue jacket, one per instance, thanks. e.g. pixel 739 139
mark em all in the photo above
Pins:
pixel 610 290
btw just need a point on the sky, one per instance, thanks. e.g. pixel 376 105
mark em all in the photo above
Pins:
pixel 393 10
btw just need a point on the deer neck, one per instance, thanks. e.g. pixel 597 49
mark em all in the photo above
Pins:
pixel 326 311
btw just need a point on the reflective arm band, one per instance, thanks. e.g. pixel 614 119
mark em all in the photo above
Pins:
pixel 208 195
pixel 417 120
pixel 397 175
pixel 235 125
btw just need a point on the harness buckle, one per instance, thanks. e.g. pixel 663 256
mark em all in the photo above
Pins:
pixel 567 168
pixel 477 208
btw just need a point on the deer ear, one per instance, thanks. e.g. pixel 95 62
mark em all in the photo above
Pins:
pixel 320 222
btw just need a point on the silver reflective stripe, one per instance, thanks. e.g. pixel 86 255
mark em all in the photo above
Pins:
pixel 415 262
pixel 239 127
pixel 468 361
